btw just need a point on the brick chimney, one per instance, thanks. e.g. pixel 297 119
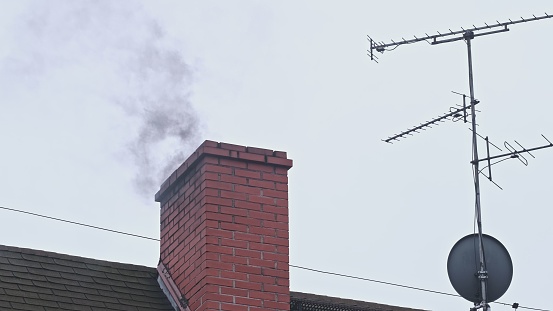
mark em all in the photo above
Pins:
pixel 224 229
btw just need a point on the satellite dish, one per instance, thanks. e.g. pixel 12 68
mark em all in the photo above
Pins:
pixel 463 264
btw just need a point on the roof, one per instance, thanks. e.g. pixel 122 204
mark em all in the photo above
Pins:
pixel 39 280
pixel 312 302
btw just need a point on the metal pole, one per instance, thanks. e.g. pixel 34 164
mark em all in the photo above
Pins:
pixel 482 273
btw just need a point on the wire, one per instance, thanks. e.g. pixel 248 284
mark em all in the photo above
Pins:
pixel 400 285
pixel 375 281
pixel 79 224
pixel 294 266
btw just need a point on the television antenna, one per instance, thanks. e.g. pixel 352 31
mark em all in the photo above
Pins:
pixel 467 35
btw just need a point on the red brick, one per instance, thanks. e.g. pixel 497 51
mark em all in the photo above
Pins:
pixel 219 233
pixel 234 227
pixel 234 291
pixel 221 217
pixel 247 173
pixel 279 210
pixel 234 259
pixel 275 273
pixel 263 279
pixel 262 183
pixel 216 169
pixel 282 306
pixel 248 285
pixel 276 289
pixel 260 151
pixel 234 275
pixel 251 157
pixel 274 177
pixel 262 200
pixel 232 147
pixel 262 215
pixel 215 151
pixel 247 269
pixel 233 163
pixel 248 190
pixel 217 185
pixel 249 221
pixel 275 194
pixel 275 225
pixel 234 211
pixel 263 296
pixel 247 253
pixel 279 161
pixel 281 170
pixel 218 281
pixel 233 195
pixel 260 167
pixel 249 301
pixel 231 307
pixel 247 237
pixel 234 243
pixel 233 179
pixel 218 201
pixel 248 205
pixel 262 231
pixel 280 154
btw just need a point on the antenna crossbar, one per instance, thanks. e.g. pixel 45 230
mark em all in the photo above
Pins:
pixel 423 126
pixel 515 152
pixel 449 36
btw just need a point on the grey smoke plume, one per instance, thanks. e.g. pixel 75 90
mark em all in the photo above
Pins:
pixel 114 50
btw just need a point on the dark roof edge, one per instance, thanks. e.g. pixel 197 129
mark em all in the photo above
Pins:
pixel 87 260
pixel 343 302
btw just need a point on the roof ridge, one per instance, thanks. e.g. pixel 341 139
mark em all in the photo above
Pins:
pixel 337 301
pixel 86 260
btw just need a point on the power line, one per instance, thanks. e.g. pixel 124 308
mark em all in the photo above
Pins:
pixel 79 224
pixel 294 266
pixel 400 285
pixel 375 281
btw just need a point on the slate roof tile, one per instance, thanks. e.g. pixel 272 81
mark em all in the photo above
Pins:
pixel 9 298
pixel 91 273
pixel 40 302
pixel 35 280
pixel 115 294
pixel 38 280
pixel 28 276
pixel 19 293
pixel 24 263
pixel 25 306
pixel 44 272
pixel 56 267
pixel 55 298
pixel 70 263
pixel 49 285
pixel 11 268
pixel 14 280
pixel 74 307
pixel 33 257
pixel 35 289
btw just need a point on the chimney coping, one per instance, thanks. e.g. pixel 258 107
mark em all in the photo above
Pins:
pixel 225 150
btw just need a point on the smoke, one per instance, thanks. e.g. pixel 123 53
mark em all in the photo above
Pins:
pixel 115 51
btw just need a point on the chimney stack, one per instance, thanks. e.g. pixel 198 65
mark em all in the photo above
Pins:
pixel 224 229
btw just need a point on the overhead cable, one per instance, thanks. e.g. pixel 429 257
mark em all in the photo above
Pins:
pixel 293 266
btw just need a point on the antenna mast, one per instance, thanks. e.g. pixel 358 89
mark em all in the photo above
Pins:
pixel 467 35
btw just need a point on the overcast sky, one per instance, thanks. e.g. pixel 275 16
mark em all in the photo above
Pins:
pixel 100 99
